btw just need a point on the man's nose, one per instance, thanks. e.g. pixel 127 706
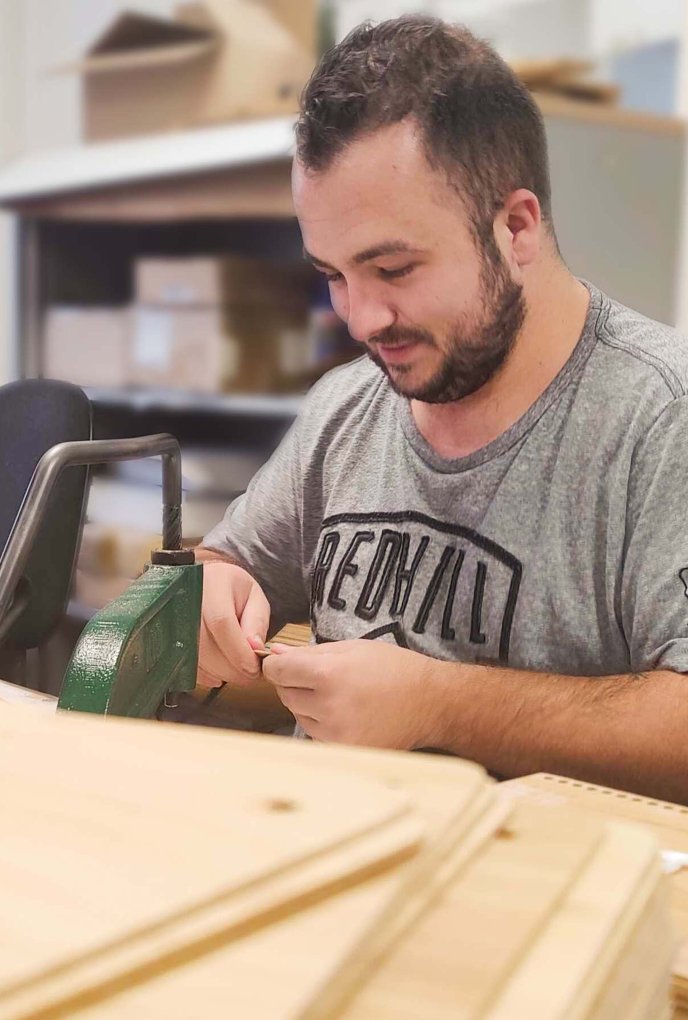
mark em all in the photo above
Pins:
pixel 368 315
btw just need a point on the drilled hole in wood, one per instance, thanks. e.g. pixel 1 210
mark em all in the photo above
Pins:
pixel 281 804
pixel 504 834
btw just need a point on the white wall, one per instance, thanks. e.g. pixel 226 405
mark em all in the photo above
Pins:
pixel 11 143
pixel 621 25
pixel 533 28
pixel 517 28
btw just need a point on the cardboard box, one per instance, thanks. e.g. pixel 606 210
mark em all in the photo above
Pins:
pixel 86 346
pixel 211 350
pixel 226 280
pixel 213 62
pixel 130 509
pixel 184 348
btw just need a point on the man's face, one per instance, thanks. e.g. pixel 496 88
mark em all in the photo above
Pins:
pixel 435 314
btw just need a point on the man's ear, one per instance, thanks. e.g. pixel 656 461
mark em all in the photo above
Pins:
pixel 518 228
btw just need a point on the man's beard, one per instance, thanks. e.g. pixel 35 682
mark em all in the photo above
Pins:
pixel 477 347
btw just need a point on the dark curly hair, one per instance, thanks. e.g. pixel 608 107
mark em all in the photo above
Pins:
pixel 478 121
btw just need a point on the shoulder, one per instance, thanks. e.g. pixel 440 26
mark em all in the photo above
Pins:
pixel 644 351
pixel 345 393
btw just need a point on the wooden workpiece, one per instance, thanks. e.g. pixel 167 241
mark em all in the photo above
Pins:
pixel 254 707
pixel 149 868
pixel 668 823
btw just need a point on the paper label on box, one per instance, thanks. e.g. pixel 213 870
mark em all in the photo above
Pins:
pixel 178 294
pixel 153 338
pixel 293 352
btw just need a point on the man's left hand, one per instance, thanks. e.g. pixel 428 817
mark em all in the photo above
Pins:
pixel 357 692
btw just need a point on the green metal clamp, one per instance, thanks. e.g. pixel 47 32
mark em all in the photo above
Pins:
pixel 138 648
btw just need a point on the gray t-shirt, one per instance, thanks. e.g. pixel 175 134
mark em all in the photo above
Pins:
pixel 561 546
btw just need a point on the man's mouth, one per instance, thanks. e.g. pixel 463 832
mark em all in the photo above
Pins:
pixel 398 353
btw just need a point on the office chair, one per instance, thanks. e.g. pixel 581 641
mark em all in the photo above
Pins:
pixel 36 414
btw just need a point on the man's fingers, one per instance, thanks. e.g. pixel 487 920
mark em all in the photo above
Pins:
pixel 225 652
pixel 226 594
pixel 292 668
pixel 255 616
pixel 207 680
pixel 299 702
pixel 309 725
pixel 210 659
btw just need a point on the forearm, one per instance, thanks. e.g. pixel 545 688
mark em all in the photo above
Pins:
pixel 629 732
pixel 204 555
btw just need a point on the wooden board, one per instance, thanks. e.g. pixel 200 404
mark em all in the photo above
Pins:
pixel 303 952
pixel 516 905
pixel 567 969
pixel 464 929
pixel 107 799
pixel 668 822
pixel 452 963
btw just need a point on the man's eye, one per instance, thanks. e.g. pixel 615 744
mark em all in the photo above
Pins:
pixel 396 274
pixel 333 277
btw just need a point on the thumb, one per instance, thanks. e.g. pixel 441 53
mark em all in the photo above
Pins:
pixel 279 649
pixel 255 616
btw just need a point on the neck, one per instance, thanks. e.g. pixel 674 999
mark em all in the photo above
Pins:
pixel 557 306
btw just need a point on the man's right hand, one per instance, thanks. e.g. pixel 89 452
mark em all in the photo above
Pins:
pixel 235 610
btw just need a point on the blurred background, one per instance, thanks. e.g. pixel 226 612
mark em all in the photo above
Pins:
pixel 148 249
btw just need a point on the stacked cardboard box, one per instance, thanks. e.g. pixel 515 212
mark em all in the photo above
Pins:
pixel 204 324
pixel 86 346
pixel 212 62
pixel 213 324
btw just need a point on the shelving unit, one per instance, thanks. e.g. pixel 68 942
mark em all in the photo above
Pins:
pixel 229 404
pixel 86 214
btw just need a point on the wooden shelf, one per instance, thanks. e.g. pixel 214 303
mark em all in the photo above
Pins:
pixel 89 167
pixel 239 170
pixel 249 404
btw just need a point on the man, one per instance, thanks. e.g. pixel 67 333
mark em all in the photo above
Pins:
pixel 484 515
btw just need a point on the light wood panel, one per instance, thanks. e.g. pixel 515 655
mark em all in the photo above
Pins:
pixel 507 910
pixel 262 190
pixel 108 802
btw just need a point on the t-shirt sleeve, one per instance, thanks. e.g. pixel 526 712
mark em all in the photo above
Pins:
pixel 262 531
pixel 654 590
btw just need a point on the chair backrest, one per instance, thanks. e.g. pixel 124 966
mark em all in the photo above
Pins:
pixel 36 414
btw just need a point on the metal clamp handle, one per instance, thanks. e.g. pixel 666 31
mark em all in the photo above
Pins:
pixel 80 454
